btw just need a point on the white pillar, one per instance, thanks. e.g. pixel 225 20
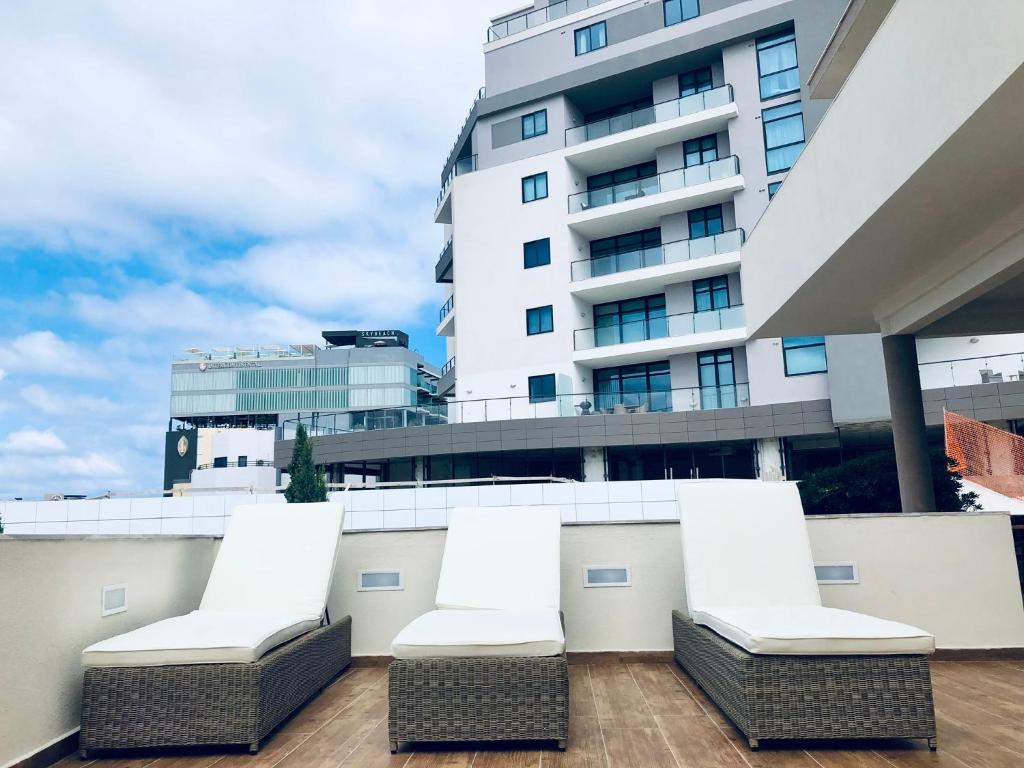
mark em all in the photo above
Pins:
pixel 769 459
pixel 593 464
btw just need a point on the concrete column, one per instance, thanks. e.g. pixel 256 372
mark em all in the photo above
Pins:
pixel 593 465
pixel 769 454
pixel 917 493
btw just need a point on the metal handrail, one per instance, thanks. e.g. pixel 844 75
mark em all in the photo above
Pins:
pixel 448 366
pixel 666 181
pixel 657 113
pixel 462 166
pixel 253 463
pixel 536 17
pixel 659 327
pixel 448 307
pixel 965 371
pixel 481 92
pixel 666 253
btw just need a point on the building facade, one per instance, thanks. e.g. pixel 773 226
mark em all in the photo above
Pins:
pixel 363 379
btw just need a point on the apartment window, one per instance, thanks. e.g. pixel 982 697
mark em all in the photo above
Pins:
pixel 705 222
pixel 539 320
pixel 622 175
pixel 700 151
pixel 783 136
pixel 621 322
pixel 536 253
pixel 697 81
pixel 677 11
pixel 710 294
pixel 716 372
pixel 624 252
pixel 220 461
pixel 243 461
pixel 591 38
pixel 535 187
pixel 619 110
pixel 804 354
pixel 535 124
pixel 773 187
pixel 542 388
pixel 634 387
pixel 777 66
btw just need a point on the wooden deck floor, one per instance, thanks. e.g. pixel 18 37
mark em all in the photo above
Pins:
pixel 626 715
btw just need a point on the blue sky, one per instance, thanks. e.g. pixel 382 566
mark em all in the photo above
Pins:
pixel 205 174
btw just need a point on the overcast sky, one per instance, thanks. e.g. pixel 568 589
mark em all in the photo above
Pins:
pixel 200 174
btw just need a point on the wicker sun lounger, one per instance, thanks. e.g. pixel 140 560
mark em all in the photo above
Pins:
pixel 490 664
pixel 756 639
pixel 260 645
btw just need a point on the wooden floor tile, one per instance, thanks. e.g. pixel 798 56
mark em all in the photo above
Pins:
pixel 637 748
pixel 620 704
pixel 664 693
pixel 585 750
pixel 495 757
pixel 697 742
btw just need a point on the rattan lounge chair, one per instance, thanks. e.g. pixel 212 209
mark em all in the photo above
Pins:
pixel 259 646
pixel 489 664
pixel 757 640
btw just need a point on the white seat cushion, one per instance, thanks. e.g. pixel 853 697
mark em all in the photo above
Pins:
pixel 481 633
pixel 200 637
pixel 501 557
pixel 745 542
pixel 802 630
pixel 276 559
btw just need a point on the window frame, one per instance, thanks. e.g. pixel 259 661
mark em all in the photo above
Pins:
pixel 532 119
pixel 711 291
pixel 773 192
pixel 527 252
pixel 589 30
pixel 785 358
pixel 691 218
pixel 541 378
pixel 682 17
pixel 608 382
pixel 764 133
pixel 697 86
pixel 700 142
pixel 772 41
pixel 539 312
pixel 532 179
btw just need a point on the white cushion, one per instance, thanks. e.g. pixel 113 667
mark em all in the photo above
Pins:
pixel 811 630
pixel 481 633
pixel 276 559
pixel 745 543
pixel 501 557
pixel 200 637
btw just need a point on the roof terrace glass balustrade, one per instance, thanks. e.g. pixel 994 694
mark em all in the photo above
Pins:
pixel 669 181
pixel 649 328
pixel 967 371
pixel 667 253
pixel 539 16
pixel 508 408
pixel 462 166
pixel 666 110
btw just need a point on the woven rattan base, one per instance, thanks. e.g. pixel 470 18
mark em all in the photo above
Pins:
pixel 478 699
pixel 809 697
pixel 209 704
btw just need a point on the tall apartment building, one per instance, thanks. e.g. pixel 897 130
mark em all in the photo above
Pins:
pixel 594 208
pixel 595 204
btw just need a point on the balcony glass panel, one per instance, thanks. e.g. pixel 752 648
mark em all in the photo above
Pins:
pixel 669 253
pixel 609 331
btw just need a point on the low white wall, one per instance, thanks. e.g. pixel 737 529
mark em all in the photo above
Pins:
pixel 50 593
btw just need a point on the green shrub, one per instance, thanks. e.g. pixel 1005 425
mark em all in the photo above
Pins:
pixel 306 484
pixel 870 484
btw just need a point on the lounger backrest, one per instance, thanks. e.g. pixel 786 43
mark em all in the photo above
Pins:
pixel 501 557
pixel 745 543
pixel 276 559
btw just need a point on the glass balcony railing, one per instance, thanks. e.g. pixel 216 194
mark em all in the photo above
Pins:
pixel 991 369
pixel 667 253
pixel 535 18
pixel 735 395
pixel 665 326
pixel 668 181
pixel 448 366
pixel 462 166
pixel 447 308
pixel 658 113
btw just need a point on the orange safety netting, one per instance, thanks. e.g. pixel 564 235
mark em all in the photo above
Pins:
pixel 986 455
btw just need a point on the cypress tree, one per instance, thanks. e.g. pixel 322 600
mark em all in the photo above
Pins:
pixel 306 484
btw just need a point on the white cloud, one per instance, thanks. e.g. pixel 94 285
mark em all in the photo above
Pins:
pixel 3 374
pixel 33 441
pixel 50 403
pixel 45 352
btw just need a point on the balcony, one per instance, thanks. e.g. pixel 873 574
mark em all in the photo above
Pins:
pixel 648 270
pixel 446 318
pixel 443 211
pixel 654 338
pixel 444 270
pixel 630 139
pixel 538 17
pixel 640 204
pixel 446 384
